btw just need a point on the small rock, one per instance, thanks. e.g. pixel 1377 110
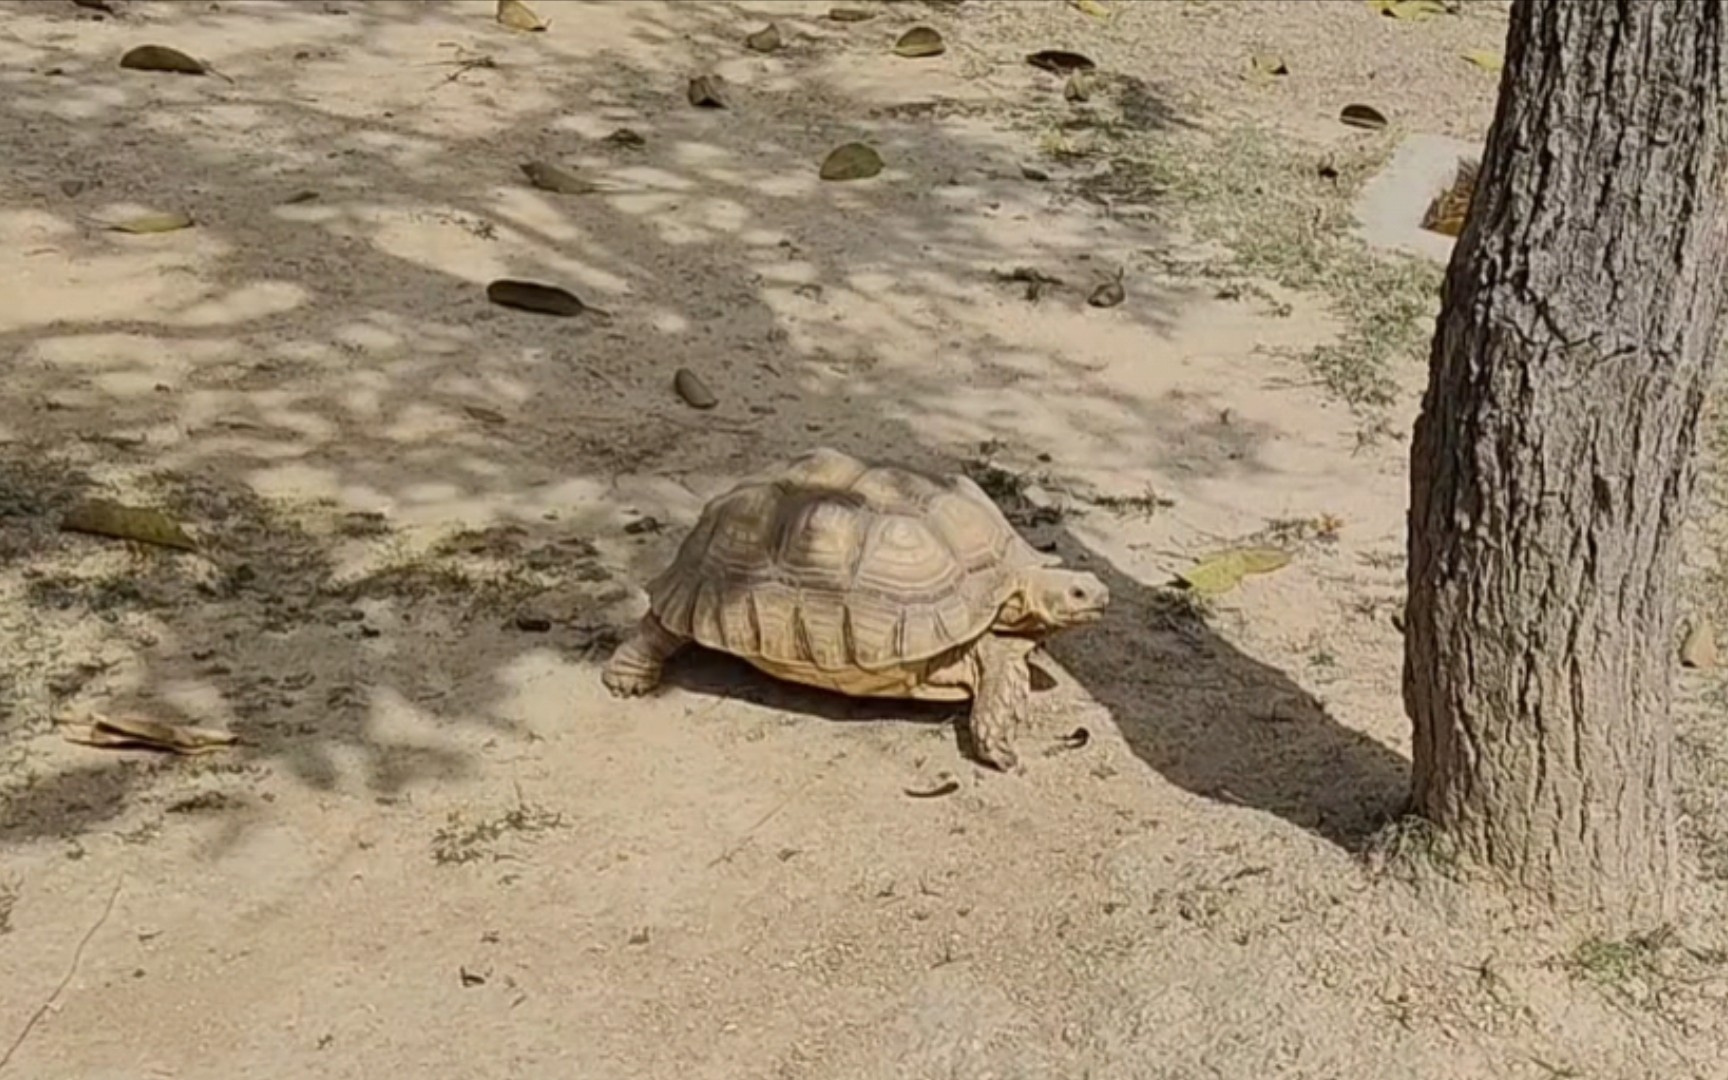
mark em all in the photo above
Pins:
pixel 1032 172
pixel 1698 650
pixel 533 622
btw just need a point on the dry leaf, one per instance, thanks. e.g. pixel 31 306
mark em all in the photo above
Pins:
pixel 1218 574
pixel 1268 64
pixel 100 517
pixel 920 41
pixel 1108 294
pixel 850 14
pixel 1486 59
pixel 1698 651
pixel 1362 116
pixel 851 161
pixel 1410 10
pixel 694 392
pixel 301 197
pixel 532 296
pixel 1078 88
pixel 1060 61
pixel 1090 7
pixel 519 16
pixel 153 223
pixel 626 137
pixel 1451 208
pixel 132 733
pixel 484 415
pixel 765 40
pixel 705 92
pixel 549 177
pixel 162 58
pixel 96 5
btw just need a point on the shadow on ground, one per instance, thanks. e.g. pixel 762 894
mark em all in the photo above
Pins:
pixel 340 344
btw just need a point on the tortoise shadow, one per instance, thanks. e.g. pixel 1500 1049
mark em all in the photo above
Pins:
pixel 1219 723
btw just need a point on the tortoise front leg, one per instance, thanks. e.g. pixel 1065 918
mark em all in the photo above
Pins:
pixel 637 663
pixel 1001 697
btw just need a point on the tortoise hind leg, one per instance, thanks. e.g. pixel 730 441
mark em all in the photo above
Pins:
pixel 637 663
pixel 1001 698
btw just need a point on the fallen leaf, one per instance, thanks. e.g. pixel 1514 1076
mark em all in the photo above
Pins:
pixel 765 40
pixel 850 14
pixel 484 414
pixel 692 390
pixel 1078 88
pixel 1268 64
pixel 96 5
pixel 519 16
pixel 153 223
pixel 532 296
pixel 1108 293
pixel 1486 59
pixel 300 197
pixel 548 177
pixel 1410 10
pixel 851 161
pixel 626 137
pixel 1074 740
pixel 1450 209
pixel 100 517
pixel 1218 574
pixel 1090 7
pixel 132 733
pixel 946 787
pixel 920 41
pixel 162 58
pixel 1034 173
pixel 1060 61
pixel 705 92
pixel 1699 649
pixel 1362 116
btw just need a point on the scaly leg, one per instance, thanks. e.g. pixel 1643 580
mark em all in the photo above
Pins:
pixel 1001 698
pixel 636 664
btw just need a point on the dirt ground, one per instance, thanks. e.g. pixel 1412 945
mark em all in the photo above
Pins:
pixel 443 850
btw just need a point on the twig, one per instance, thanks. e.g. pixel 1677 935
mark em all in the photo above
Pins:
pixel 65 980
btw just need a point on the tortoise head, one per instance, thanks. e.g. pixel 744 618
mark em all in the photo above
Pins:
pixel 1050 598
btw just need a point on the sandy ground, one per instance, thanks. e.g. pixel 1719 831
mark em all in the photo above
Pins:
pixel 443 849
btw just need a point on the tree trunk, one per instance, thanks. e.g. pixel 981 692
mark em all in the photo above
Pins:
pixel 1552 463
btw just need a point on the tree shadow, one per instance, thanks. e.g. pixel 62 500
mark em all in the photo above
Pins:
pixel 341 344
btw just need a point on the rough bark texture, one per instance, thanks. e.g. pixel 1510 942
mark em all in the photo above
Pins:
pixel 1552 463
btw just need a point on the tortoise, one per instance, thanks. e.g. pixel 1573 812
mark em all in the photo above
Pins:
pixel 869 579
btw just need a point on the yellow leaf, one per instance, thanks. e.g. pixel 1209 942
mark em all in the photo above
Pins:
pixel 519 16
pixel 1410 10
pixel 137 733
pixel 1218 574
pixel 851 161
pixel 154 223
pixel 142 525
pixel 920 41
pixel 1486 59
pixel 1090 7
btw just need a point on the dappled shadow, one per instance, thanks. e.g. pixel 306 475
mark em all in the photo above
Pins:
pixel 323 337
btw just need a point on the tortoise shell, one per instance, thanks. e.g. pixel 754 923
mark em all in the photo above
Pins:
pixel 830 564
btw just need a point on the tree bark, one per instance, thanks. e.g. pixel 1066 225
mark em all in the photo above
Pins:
pixel 1552 463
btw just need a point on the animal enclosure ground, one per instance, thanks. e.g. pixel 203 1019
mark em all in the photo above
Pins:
pixel 425 519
